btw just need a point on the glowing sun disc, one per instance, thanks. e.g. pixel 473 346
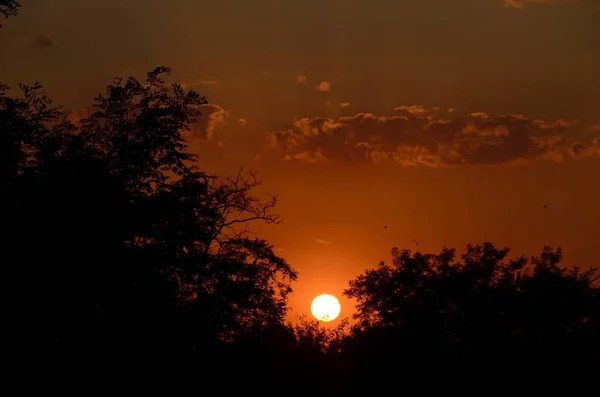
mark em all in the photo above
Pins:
pixel 325 307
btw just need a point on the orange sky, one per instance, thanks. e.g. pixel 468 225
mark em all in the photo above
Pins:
pixel 448 121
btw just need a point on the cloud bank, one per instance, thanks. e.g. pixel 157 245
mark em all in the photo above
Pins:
pixel 435 138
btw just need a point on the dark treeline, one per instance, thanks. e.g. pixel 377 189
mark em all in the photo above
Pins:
pixel 118 251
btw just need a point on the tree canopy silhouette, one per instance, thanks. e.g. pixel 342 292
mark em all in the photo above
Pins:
pixel 482 308
pixel 118 234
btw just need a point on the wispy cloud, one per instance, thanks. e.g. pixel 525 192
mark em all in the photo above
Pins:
pixel 412 109
pixel 301 79
pixel 212 117
pixel 321 241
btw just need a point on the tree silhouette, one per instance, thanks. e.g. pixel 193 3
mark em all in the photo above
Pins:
pixel 9 8
pixel 483 309
pixel 119 236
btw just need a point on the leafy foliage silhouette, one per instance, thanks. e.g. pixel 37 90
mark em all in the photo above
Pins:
pixel 121 238
pixel 9 8
pixel 481 309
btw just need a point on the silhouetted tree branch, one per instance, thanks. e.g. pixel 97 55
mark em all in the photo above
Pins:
pixel 9 8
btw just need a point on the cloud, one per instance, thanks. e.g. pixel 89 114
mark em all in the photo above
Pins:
pixel 481 115
pixel 321 241
pixel 213 116
pixel 324 86
pixel 520 4
pixel 39 39
pixel 422 138
pixel 412 109
pixel 345 104
pixel 301 79
pixel 209 82
pixel 591 149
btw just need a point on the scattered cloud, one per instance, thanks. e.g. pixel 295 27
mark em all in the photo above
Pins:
pixel 345 104
pixel 302 79
pixel 321 241
pixel 39 39
pixel 419 137
pixel 412 109
pixel 481 115
pixel 591 149
pixel 324 86
pixel 213 116
pixel 520 4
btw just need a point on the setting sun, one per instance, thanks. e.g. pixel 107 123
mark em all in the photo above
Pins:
pixel 325 307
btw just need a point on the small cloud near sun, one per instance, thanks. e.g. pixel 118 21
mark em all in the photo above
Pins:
pixel 302 79
pixel 321 241
pixel 324 86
